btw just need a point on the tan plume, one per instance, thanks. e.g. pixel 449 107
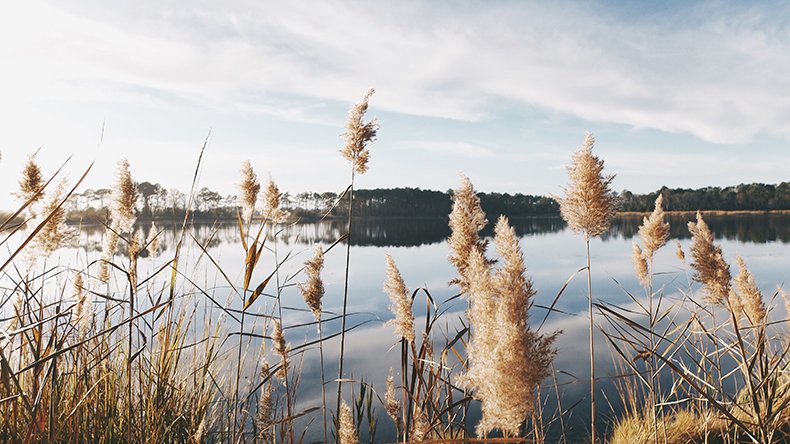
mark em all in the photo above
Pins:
pixel 400 302
pixel 281 349
pixel 466 220
pixel 654 230
pixel 249 188
pixel 751 297
pixel 709 266
pixel 313 289
pixel 347 433
pixel 589 203
pixel 640 265
pixel 358 135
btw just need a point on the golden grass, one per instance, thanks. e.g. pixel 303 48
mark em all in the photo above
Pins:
pixel 679 427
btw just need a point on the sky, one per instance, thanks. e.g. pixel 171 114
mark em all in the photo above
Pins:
pixel 682 94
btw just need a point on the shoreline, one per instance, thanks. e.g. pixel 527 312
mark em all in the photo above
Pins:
pixel 704 212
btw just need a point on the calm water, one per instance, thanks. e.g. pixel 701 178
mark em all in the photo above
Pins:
pixel 552 253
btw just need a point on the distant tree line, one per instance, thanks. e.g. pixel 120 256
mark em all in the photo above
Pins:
pixel 748 197
pixel 415 202
pixel 157 202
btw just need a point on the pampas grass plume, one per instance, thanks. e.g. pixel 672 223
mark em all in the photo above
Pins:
pixel 750 295
pixel 640 265
pixel 358 135
pixel 84 308
pixel 347 433
pixel 249 188
pixel 589 203
pixel 109 245
pixel 313 289
pixel 152 241
pixel 466 220
pixel 263 417
pixel 420 428
pixel 654 230
pixel 281 349
pixel 709 266
pixel 679 252
pixel 271 202
pixel 391 403
pixel 401 302
pixel 55 233
pixel 506 358
pixel 32 181
pixel 124 199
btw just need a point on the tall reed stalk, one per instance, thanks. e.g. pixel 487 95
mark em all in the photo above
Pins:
pixel 357 137
pixel 588 206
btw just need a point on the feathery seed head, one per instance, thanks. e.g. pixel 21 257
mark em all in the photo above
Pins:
pixel 153 240
pixel 281 349
pixel 55 232
pixel 358 135
pixel 263 417
pixel 109 245
pixel 391 403
pixel 709 266
pixel 780 291
pixel 124 199
pixel 735 303
pixel 249 188
pixel 654 230
pixel 32 181
pixel 514 289
pixel 271 203
pixel 466 220
pixel 84 307
pixel 751 297
pixel 135 243
pixel 640 265
pixel 400 302
pixel 420 428
pixel 347 433
pixel 589 203
pixel 313 289
pixel 679 252
pixel 507 359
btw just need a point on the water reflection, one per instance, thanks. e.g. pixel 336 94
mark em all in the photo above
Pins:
pixel 755 228
pixel 419 248
pixel 403 232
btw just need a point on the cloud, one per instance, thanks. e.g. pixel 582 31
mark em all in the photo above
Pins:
pixel 448 148
pixel 717 73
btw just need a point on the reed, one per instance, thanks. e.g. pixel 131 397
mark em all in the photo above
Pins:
pixel 313 293
pixel 358 135
pixel 588 206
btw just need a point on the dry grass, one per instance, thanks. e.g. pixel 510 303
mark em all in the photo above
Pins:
pixel 678 427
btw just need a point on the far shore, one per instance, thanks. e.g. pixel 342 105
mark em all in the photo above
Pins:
pixel 72 220
pixel 705 212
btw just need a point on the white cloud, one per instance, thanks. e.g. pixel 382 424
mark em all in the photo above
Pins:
pixel 718 74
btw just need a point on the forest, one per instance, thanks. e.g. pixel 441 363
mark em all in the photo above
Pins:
pixel 158 202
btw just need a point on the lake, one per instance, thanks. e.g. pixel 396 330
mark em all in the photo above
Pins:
pixel 552 254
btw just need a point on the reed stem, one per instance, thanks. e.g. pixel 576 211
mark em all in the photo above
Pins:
pixel 345 293
pixel 592 344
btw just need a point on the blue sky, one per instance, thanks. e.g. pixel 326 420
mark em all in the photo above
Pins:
pixel 682 94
